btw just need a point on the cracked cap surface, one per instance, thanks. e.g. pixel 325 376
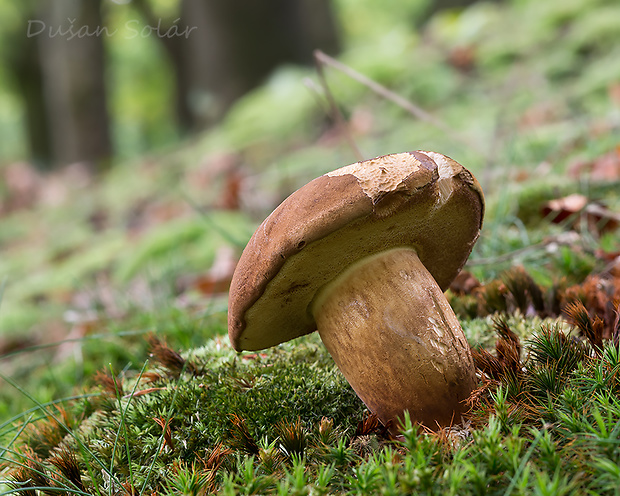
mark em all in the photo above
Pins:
pixel 422 200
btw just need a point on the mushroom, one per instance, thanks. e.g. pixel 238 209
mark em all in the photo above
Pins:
pixel 363 254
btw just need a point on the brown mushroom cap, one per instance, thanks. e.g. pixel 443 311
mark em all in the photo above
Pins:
pixel 422 200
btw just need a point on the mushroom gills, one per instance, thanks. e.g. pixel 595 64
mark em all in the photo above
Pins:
pixel 392 333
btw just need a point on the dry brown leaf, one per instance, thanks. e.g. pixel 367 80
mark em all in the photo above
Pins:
pixel 10 345
pixel 537 115
pixel 464 283
pixel 463 58
pixel 217 279
pixel 603 168
pixel 230 198
pixel 607 256
pixel 221 178
pixel 614 93
pixel 58 187
pixel 253 356
pixel 576 208
pixel 560 209
pixel 21 184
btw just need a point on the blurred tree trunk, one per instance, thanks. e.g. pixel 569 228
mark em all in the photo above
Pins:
pixel 232 45
pixel 73 78
pixel 25 64
pixel 220 50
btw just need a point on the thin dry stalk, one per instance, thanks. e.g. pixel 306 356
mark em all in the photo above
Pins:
pixel 241 437
pixel 334 110
pixel 66 462
pixel 112 386
pixel 168 358
pixel 591 328
pixel 413 109
pixel 167 432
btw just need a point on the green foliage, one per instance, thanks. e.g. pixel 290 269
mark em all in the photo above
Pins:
pixel 272 112
pixel 141 87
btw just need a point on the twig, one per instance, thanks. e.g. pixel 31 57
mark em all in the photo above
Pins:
pixel 507 257
pixel 317 92
pixel 560 239
pixel 334 109
pixel 413 109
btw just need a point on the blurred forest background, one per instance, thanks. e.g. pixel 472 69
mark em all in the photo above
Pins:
pixel 92 81
pixel 88 80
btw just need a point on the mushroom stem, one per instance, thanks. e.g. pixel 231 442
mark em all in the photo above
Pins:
pixel 392 333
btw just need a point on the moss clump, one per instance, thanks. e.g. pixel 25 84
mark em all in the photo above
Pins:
pixel 178 409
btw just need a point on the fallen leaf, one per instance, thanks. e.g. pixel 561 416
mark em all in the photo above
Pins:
pixel 574 209
pixel 607 256
pixel 614 93
pixel 230 198
pixel 561 209
pixel 22 184
pixel 10 345
pixel 463 58
pixel 603 168
pixel 218 278
pixel 221 179
pixel 59 186
pixel 537 115
pixel 464 283
pixel 254 356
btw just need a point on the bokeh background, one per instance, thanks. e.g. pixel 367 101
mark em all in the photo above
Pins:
pixel 95 81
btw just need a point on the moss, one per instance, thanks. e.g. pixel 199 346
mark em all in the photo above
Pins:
pixel 296 381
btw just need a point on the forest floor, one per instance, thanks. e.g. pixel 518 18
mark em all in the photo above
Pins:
pixel 117 372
